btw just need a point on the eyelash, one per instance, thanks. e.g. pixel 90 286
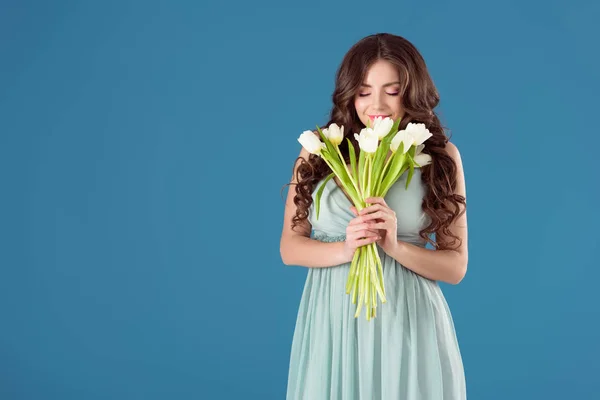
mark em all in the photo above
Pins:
pixel 391 94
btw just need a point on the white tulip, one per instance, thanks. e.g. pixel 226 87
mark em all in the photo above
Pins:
pixel 402 137
pixel 421 158
pixel 414 134
pixel 367 140
pixel 419 132
pixel 311 142
pixel 382 127
pixel 334 133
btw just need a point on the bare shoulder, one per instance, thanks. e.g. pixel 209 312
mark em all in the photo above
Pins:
pixel 453 152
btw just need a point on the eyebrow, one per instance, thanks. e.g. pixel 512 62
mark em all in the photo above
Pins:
pixel 386 85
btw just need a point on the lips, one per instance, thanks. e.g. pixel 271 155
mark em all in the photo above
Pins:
pixel 379 115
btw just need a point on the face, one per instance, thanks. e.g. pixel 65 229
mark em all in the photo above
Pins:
pixel 379 94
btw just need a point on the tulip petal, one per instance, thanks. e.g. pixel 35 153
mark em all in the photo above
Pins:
pixel 422 159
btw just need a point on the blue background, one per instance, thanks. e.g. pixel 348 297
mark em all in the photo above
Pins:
pixel 144 145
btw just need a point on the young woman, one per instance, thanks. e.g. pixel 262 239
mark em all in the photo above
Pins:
pixel 409 350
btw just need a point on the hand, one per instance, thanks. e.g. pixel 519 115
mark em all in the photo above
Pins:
pixel 381 217
pixel 358 233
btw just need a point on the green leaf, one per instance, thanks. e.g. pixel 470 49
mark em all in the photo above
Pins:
pixel 377 166
pixel 352 159
pixel 328 144
pixel 412 151
pixel 349 187
pixel 394 128
pixel 412 170
pixel 320 192
pixel 380 155
pixel 398 175
pixel 361 167
pixel 337 168
pixel 392 174
pixel 334 158
pixel 398 153
pixel 342 174
pixel 381 152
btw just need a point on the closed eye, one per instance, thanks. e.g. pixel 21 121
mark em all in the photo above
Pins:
pixel 366 94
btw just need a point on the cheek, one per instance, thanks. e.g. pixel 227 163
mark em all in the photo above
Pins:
pixel 359 105
pixel 360 111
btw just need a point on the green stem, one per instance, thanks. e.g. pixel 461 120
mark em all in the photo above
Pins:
pixel 368 305
pixel 369 172
pixel 347 170
pixel 356 200
pixel 351 273
pixel 385 167
pixel 362 181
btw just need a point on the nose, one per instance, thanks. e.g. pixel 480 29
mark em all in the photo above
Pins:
pixel 378 102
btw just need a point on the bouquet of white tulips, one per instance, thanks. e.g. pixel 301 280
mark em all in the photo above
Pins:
pixel 369 176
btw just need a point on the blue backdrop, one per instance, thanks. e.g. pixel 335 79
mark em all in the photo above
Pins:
pixel 143 147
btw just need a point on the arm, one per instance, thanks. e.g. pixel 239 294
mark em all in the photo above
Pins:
pixel 307 252
pixel 296 246
pixel 444 265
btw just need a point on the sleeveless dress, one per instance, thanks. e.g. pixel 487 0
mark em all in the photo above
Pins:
pixel 409 351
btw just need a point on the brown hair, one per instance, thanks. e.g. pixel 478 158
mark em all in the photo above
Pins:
pixel 419 98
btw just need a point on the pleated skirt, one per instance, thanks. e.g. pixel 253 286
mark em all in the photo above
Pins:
pixel 409 351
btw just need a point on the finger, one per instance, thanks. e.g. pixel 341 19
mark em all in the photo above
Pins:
pixel 362 242
pixel 362 236
pixel 366 225
pixel 376 200
pixel 355 221
pixel 382 214
pixel 370 209
pixel 359 219
pixel 373 226
pixel 361 230
pixel 379 225
pixel 373 200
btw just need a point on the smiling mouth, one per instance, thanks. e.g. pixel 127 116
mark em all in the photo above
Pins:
pixel 375 116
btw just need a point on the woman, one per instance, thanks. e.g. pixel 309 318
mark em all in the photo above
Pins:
pixel 410 350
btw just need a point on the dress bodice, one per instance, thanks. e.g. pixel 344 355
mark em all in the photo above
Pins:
pixel 335 213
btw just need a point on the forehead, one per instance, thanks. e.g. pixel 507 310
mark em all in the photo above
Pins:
pixel 381 73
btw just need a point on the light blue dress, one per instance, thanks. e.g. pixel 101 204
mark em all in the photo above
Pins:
pixel 408 352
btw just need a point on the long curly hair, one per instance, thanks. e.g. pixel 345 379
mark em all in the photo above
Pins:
pixel 419 98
